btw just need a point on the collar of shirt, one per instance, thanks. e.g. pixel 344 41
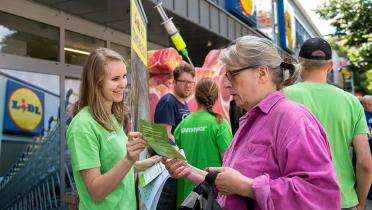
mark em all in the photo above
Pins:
pixel 266 104
pixel 248 120
pixel 262 108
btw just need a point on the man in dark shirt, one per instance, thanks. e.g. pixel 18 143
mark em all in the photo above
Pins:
pixel 170 111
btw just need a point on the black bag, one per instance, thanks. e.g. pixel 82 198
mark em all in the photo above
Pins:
pixel 203 197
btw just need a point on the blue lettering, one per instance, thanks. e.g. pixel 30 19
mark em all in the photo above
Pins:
pixel 30 108
pixel 37 111
pixel 34 109
pixel 15 104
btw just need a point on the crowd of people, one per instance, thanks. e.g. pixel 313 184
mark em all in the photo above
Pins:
pixel 291 149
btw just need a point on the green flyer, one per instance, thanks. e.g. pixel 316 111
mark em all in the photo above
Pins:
pixel 157 137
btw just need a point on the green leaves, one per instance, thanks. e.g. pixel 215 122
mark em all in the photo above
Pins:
pixel 351 18
pixel 353 38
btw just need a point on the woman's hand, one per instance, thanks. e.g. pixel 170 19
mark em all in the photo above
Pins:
pixel 230 181
pixel 135 146
pixel 177 168
pixel 142 165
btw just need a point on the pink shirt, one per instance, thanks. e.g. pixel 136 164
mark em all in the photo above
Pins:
pixel 283 147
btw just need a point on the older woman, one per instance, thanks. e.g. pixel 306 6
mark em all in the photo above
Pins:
pixel 280 156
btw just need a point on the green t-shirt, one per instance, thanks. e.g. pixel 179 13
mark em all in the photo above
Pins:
pixel 202 139
pixel 342 117
pixel 92 146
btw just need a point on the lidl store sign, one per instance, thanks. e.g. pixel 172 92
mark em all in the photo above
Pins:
pixel 287 27
pixel 24 110
pixel 243 9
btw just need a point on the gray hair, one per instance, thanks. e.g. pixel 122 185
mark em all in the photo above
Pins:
pixel 367 98
pixel 256 51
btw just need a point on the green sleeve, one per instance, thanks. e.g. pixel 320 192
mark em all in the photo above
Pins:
pixel 224 136
pixel 84 148
pixel 361 126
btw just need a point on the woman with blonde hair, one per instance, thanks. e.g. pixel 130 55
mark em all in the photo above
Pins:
pixel 204 135
pixel 102 155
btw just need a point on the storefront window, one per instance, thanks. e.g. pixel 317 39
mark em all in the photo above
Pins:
pixel 72 89
pixel 301 36
pixel 20 36
pixel 265 17
pixel 122 50
pixel 77 47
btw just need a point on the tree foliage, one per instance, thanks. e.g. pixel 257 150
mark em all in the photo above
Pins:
pixel 353 22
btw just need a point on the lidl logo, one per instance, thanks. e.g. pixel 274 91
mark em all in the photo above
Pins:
pixel 289 28
pixel 24 110
pixel 247 6
pixel 287 25
pixel 245 10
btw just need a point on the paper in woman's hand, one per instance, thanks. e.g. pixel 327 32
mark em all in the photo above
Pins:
pixel 157 137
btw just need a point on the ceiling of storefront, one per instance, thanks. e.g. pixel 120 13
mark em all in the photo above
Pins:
pixel 116 14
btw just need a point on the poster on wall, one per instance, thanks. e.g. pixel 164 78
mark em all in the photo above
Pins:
pixel 245 10
pixel 265 17
pixel 287 28
pixel 24 110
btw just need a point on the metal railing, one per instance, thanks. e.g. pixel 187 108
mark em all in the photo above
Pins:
pixel 33 181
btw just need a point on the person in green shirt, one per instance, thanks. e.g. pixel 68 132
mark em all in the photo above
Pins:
pixel 342 117
pixel 204 135
pixel 102 156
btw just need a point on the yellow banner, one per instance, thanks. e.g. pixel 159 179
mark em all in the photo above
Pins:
pixel 138 33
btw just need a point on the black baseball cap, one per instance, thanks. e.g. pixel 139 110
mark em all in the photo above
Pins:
pixel 311 47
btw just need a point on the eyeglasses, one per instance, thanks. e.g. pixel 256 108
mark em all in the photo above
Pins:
pixel 185 81
pixel 230 74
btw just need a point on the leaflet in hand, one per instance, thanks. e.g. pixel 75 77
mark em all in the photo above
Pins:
pixel 151 173
pixel 157 137
pixel 150 193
